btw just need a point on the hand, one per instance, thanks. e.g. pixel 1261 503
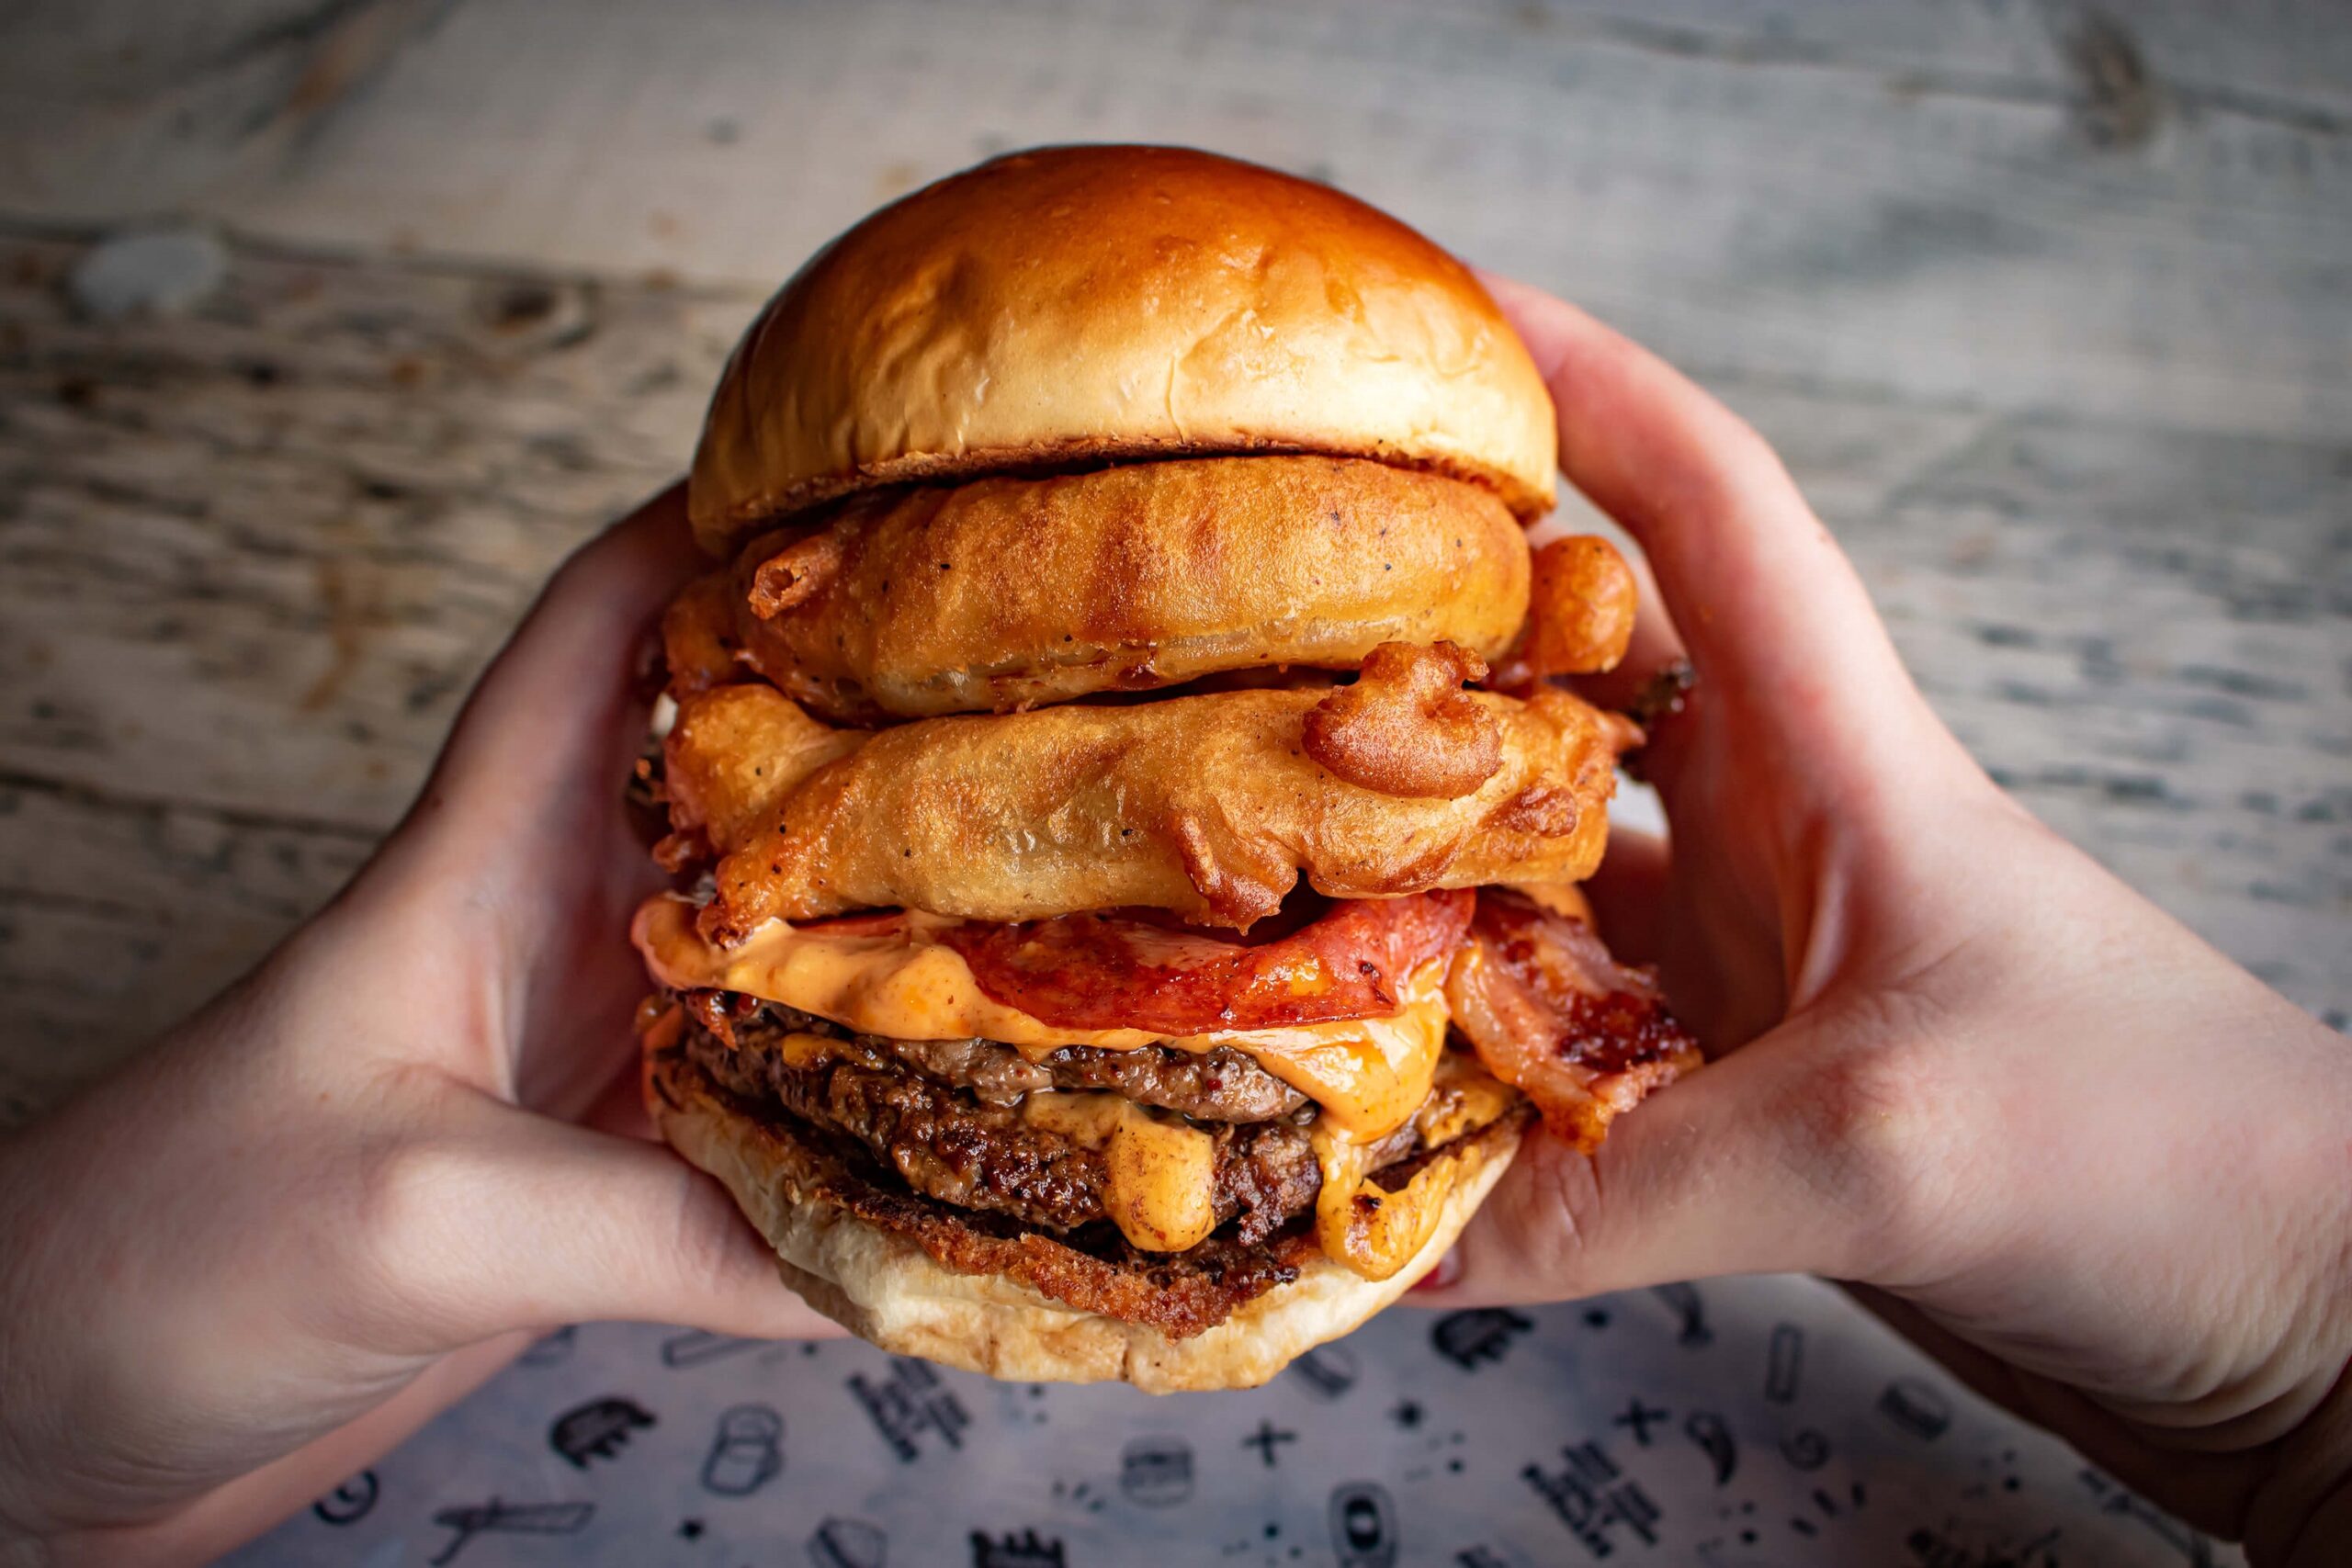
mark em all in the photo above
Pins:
pixel 2096 1168
pixel 355 1185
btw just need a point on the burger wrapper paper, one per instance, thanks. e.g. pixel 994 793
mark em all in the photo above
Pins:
pixel 1736 1423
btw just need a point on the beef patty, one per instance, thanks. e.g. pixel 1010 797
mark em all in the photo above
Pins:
pixel 947 1144
pixel 1092 1269
pixel 1222 1085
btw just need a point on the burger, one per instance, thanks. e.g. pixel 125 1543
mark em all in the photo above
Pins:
pixel 1124 804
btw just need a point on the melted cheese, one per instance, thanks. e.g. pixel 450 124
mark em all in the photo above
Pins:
pixel 1369 1075
pixel 1161 1189
pixel 1465 1098
pixel 1374 1232
pixel 1357 1222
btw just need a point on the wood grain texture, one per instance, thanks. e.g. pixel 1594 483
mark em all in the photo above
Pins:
pixel 2142 209
pixel 2047 307
pixel 250 560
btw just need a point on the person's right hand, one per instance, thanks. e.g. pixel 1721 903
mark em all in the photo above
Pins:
pixel 2100 1171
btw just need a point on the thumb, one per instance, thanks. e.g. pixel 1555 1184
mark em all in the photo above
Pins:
pixel 1763 1162
pixel 1787 648
pixel 510 1219
pixel 1756 585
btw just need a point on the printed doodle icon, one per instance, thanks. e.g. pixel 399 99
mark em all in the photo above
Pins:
pixel 1328 1369
pixel 1708 1430
pixel 848 1544
pixel 1156 1473
pixel 1593 1497
pixel 1916 1406
pixel 598 1429
pixel 1692 1308
pixel 1364 1526
pixel 1267 1439
pixel 1638 1418
pixel 908 1402
pixel 747 1453
pixel 1785 1365
pixel 1481 1334
pixel 1026 1550
pixel 349 1503
pixel 495 1517
pixel 1806 1449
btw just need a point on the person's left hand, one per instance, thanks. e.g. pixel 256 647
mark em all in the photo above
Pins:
pixel 358 1181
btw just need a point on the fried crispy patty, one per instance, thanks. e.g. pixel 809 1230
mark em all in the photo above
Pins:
pixel 948 1144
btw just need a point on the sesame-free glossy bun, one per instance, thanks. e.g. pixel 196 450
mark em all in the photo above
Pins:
pixel 1082 304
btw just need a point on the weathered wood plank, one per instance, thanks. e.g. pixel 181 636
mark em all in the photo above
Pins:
pixel 2141 633
pixel 2140 212
pixel 116 916
pixel 249 560
pixel 317 504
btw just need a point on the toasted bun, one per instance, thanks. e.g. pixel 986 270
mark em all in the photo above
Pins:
pixel 885 1289
pixel 1079 304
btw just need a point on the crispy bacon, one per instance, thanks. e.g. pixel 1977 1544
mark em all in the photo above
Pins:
pixel 1131 971
pixel 1549 1011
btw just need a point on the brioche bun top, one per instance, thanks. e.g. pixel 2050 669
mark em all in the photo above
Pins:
pixel 1077 305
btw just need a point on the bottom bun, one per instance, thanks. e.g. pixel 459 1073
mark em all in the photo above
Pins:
pixel 883 1288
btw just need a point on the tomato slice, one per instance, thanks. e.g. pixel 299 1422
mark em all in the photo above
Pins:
pixel 1552 1013
pixel 1128 970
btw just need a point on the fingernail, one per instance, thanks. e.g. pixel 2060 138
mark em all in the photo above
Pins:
pixel 1447 1273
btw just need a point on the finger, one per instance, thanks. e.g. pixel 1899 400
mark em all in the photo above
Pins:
pixel 1648 919
pixel 1630 893
pixel 510 1220
pixel 619 1106
pixel 1757 587
pixel 1731 1171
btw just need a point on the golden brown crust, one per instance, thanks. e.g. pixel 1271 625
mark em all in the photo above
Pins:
pixel 1007 593
pixel 1207 806
pixel 886 1285
pixel 1407 728
pixel 733 755
pixel 1579 615
pixel 1075 304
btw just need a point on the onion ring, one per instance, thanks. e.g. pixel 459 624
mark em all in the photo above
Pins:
pixel 1006 594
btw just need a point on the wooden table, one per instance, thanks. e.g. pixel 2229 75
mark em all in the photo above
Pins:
pixel 2050 310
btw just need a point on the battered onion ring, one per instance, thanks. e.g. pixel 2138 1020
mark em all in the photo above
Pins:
pixel 1579 613
pixel 1006 594
pixel 1205 805
pixel 1407 726
pixel 732 756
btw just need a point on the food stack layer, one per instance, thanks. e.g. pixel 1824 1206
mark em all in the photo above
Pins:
pixel 1130 813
